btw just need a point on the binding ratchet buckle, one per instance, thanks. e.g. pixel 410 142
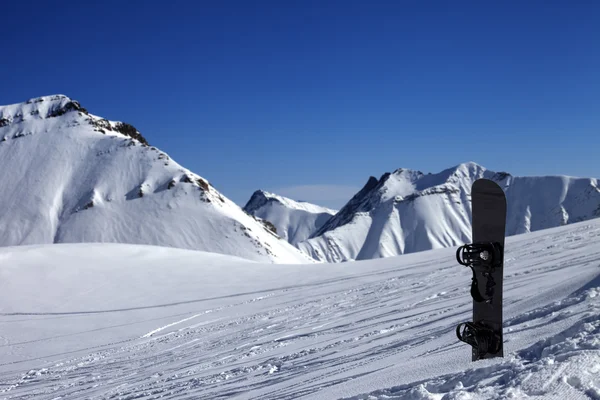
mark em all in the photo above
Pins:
pixel 485 256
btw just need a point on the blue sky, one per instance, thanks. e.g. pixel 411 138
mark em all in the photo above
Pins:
pixel 310 98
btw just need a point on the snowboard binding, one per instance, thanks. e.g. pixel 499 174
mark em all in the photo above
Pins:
pixel 483 257
pixel 482 338
pixel 488 255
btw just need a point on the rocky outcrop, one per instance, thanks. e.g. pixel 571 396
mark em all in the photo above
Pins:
pixel 62 109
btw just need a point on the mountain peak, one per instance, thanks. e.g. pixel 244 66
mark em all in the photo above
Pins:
pixel 38 108
pixel 77 177
pixel 258 199
pixel 261 197
pixel 402 184
pixel 65 112
pixel 469 165
pixel 50 98
pixel 294 220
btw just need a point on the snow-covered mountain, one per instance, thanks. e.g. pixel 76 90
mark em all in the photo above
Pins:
pixel 70 176
pixel 294 221
pixel 408 211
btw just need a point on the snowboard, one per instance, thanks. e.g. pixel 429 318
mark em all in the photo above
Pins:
pixel 485 257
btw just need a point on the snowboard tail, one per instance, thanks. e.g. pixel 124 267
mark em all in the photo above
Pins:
pixel 485 257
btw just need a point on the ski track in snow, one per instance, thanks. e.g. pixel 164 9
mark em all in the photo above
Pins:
pixel 385 333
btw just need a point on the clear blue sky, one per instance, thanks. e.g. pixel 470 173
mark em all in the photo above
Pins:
pixel 310 98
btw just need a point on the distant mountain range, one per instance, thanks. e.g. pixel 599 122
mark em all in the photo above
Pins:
pixel 71 176
pixel 408 211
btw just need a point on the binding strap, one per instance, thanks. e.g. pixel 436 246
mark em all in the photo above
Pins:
pixel 481 255
pixel 480 337
pixel 475 288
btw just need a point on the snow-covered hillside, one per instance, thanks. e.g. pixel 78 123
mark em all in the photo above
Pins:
pixel 70 176
pixel 109 321
pixel 407 211
pixel 294 220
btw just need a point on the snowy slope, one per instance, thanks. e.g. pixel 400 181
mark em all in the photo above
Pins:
pixel 107 321
pixel 70 176
pixel 294 220
pixel 408 211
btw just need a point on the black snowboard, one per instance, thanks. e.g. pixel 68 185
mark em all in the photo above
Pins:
pixel 486 258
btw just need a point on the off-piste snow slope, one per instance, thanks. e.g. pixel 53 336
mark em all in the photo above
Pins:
pixel 110 321
pixel 407 211
pixel 295 221
pixel 70 176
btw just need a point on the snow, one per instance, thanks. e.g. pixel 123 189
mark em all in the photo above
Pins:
pixel 292 204
pixel 70 177
pixel 295 221
pixel 113 321
pixel 407 211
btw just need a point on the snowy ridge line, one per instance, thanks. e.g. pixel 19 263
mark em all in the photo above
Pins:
pixel 262 196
